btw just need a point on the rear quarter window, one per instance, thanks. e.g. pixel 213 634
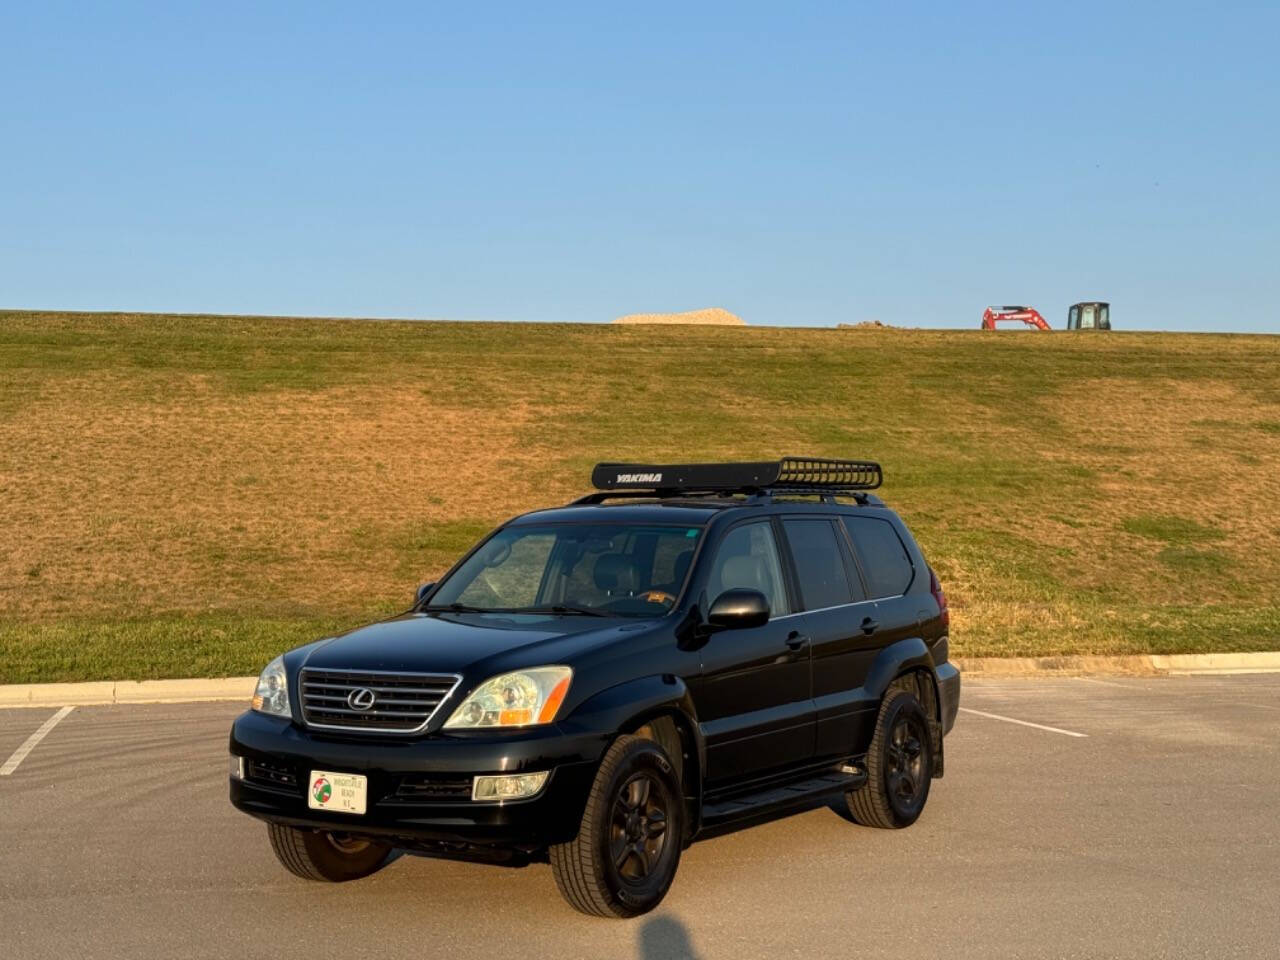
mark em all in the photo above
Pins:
pixel 885 561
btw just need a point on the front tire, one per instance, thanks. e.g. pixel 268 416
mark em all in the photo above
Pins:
pixel 324 855
pixel 625 855
pixel 899 766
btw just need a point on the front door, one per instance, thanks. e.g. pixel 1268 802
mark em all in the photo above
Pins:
pixel 754 698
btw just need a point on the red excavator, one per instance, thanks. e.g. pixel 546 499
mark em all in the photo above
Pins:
pixel 1028 315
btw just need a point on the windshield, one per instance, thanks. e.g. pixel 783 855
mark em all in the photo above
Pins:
pixel 614 569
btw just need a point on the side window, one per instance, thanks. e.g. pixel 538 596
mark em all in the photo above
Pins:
pixel 819 563
pixel 885 561
pixel 748 558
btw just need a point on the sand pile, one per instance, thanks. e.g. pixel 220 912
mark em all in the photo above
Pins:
pixel 712 315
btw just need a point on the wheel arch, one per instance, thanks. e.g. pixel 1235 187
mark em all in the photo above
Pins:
pixel 660 708
pixel 908 665
pixel 677 734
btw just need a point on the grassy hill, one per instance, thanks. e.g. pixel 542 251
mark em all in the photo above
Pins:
pixel 189 495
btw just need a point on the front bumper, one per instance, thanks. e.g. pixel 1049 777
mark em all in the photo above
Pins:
pixel 419 790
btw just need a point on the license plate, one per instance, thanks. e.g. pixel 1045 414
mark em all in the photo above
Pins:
pixel 339 792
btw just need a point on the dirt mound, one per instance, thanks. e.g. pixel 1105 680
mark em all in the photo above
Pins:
pixel 865 325
pixel 714 316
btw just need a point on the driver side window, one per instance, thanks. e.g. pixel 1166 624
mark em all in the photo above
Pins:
pixel 748 559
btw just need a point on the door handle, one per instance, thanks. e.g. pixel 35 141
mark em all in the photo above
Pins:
pixel 870 626
pixel 796 640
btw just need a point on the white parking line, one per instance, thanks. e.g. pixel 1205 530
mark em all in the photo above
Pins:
pixel 1105 683
pixel 1024 723
pixel 20 754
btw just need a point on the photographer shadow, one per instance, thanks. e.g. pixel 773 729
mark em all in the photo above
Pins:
pixel 665 938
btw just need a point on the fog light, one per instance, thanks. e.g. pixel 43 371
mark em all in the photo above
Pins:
pixel 235 767
pixel 513 787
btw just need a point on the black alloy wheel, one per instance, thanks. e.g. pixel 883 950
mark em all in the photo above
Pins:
pixel 638 831
pixel 905 768
pixel 625 856
pixel 899 766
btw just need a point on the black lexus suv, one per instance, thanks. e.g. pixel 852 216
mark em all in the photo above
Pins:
pixel 689 650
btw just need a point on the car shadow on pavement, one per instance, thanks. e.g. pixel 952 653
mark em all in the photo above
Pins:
pixel 665 938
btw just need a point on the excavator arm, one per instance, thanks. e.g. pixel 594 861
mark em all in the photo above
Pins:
pixel 1028 315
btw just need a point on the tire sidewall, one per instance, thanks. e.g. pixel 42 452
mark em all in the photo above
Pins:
pixel 642 756
pixel 339 865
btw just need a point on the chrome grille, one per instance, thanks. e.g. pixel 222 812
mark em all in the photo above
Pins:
pixel 402 702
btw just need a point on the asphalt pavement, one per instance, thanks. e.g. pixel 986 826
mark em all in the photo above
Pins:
pixel 1119 818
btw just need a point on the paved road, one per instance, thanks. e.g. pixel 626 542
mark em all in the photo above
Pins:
pixel 1156 835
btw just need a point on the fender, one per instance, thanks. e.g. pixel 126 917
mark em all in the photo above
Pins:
pixel 629 705
pixel 899 658
pixel 908 654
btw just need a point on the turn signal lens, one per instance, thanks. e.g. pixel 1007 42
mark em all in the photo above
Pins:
pixel 554 699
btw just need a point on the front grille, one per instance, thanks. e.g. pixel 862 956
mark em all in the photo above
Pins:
pixel 430 787
pixel 402 702
pixel 271 773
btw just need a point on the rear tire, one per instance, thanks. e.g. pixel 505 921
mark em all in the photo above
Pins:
pixel 625 855
pixel 325 856
pixel 899 766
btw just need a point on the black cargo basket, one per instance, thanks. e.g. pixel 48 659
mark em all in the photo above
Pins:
pixel 788 475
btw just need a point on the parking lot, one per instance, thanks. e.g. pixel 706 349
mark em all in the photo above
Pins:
pixel 1120 818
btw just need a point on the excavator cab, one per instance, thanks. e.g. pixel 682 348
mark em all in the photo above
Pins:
pixel 1091 315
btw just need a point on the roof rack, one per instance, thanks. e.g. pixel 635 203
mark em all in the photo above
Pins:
pixel 797 476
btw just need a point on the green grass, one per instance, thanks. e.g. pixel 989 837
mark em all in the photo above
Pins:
pixel 1170 528
pixel 162 645
pixel 184 495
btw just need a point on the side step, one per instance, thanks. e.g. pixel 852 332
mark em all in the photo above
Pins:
pixel 798 794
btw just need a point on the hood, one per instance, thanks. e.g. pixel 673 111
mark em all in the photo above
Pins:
pixel 453 643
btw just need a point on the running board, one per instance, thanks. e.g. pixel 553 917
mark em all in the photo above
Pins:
pixel 776 799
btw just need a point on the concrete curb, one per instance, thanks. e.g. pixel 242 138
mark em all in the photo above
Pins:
pixel 193 690
pixel 98 692
pixel 1143 665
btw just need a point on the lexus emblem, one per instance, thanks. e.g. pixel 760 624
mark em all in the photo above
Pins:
pixel 361 698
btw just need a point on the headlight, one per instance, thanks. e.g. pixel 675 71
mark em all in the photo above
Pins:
pixel 272 694
pixel 519 699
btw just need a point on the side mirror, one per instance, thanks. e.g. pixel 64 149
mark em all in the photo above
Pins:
pixel 737 609
pixel 423 591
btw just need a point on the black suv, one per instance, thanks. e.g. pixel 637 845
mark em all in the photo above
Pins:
pixel 693 648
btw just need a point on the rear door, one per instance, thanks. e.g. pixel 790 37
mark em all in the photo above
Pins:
pixel 753 697
pixel 834 601
pixel 889 573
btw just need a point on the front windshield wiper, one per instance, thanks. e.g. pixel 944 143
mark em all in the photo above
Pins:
pixel 555 608
pixel 558 608
pixel 451 608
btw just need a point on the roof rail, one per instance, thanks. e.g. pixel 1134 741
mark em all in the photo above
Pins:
pixel 794 475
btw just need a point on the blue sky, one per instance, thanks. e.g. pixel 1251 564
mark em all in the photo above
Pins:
pixel 802 163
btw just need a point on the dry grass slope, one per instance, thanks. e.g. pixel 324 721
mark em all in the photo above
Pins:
pixel 185 495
